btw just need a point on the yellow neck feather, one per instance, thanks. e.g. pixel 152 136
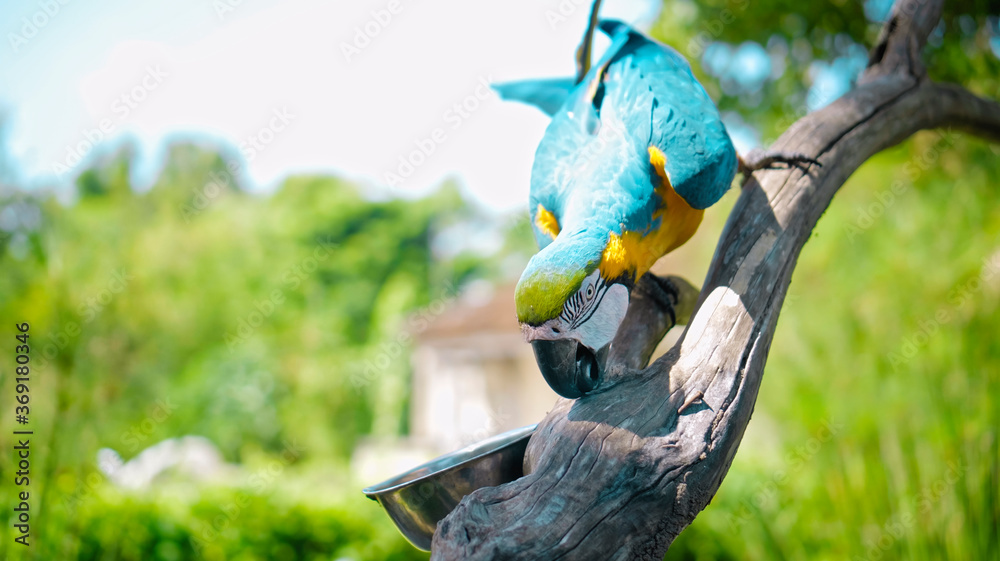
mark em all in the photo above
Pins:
pixel 636 252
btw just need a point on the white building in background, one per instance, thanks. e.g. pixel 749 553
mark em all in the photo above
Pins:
pixel 473 374
pixel 473 377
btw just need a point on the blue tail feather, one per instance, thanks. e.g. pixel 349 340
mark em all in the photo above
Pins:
pixel 546 94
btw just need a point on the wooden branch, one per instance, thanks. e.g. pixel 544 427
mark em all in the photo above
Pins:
pixel 897 51
pixel 659 304
pixel 618 474
pixel 656 305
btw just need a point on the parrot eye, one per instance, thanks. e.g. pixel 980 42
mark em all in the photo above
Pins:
pixel 582 304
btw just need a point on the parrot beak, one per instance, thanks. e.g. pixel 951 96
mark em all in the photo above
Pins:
pixel 571 369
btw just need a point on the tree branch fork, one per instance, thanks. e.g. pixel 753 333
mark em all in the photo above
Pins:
pixel 619 474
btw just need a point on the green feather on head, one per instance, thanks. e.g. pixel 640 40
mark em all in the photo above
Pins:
pixel 554 274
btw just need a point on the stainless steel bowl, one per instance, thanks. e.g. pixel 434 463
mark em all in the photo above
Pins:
pixel 418 499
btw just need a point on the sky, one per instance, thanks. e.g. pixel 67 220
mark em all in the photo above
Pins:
pixel 390 93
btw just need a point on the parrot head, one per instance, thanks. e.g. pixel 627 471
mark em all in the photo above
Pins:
pixel 569 313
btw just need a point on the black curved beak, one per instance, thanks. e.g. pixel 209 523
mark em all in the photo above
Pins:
pixel 571 369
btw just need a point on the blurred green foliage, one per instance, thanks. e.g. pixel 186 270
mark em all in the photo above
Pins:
pixel 220 523
pixel 875 434
pixel 195 307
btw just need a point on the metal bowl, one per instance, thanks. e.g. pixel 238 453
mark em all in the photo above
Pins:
pixel 418 499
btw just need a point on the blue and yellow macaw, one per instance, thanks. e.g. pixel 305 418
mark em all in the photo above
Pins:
pixel 635 152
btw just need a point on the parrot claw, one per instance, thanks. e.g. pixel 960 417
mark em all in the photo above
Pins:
pixel 758 159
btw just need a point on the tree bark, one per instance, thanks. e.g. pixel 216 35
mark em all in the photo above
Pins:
pixel 618 474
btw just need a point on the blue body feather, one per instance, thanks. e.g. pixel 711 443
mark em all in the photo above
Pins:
pixel 592 169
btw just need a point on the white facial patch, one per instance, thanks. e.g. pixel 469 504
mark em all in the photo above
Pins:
pixel 602 326
pixel 591 316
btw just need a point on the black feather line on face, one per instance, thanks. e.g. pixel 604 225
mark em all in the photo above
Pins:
pixel 579 308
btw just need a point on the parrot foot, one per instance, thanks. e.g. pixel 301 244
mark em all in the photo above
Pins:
pixel 758 159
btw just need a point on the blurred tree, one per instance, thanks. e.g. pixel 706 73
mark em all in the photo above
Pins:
pixel 197 308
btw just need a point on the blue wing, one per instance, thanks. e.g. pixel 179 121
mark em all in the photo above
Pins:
pixel 683 121
pixel 593 160
pixel 548 95
pixel 574 144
